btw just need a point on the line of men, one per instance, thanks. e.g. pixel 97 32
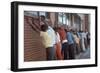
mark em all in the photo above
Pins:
pixel 60 43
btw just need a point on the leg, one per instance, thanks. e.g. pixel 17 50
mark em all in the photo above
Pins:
pixel 77 49
pixel 52 53
pixel 66 51
pixel 71 51
pixel 58 51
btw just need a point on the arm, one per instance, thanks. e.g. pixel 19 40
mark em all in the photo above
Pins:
pixel 36 22
pixel 33 25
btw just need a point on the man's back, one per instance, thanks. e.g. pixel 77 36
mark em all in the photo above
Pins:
pixel 70 38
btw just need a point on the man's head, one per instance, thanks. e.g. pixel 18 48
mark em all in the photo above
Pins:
pixel 44 27
pixel 42 18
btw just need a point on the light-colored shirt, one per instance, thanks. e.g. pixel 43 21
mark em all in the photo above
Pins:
pixel 57 38
pixel 84 35
pixel 46 40
pixel 52 35
pixel 76 38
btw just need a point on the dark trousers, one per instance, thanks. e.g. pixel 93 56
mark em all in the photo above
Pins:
pixel 50 53
pixel 88 42
pixel 81 48
pixel 77 48
pixel 65 50
pixel 69 52
pixel 85 42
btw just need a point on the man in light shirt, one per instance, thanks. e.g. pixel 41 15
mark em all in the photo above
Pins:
pixel 52 35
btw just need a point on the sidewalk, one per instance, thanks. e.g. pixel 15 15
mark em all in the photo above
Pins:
pixel 84 55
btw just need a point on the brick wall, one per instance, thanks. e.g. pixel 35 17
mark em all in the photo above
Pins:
pixel 33 49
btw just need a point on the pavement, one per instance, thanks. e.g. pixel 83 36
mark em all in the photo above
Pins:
pixel 84 55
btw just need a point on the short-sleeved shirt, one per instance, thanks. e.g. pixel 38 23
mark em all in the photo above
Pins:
pixel 46 40
pixel 52 35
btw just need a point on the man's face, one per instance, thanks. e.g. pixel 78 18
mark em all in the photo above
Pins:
pixel 42 18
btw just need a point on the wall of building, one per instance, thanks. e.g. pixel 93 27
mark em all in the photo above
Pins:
pixel 52 18
pixel 33 49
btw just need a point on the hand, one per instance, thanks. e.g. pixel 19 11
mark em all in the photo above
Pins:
pixel 30 20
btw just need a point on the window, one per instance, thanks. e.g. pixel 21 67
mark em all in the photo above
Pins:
pixel 42 13
pixel 31 13
pixel 62 18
